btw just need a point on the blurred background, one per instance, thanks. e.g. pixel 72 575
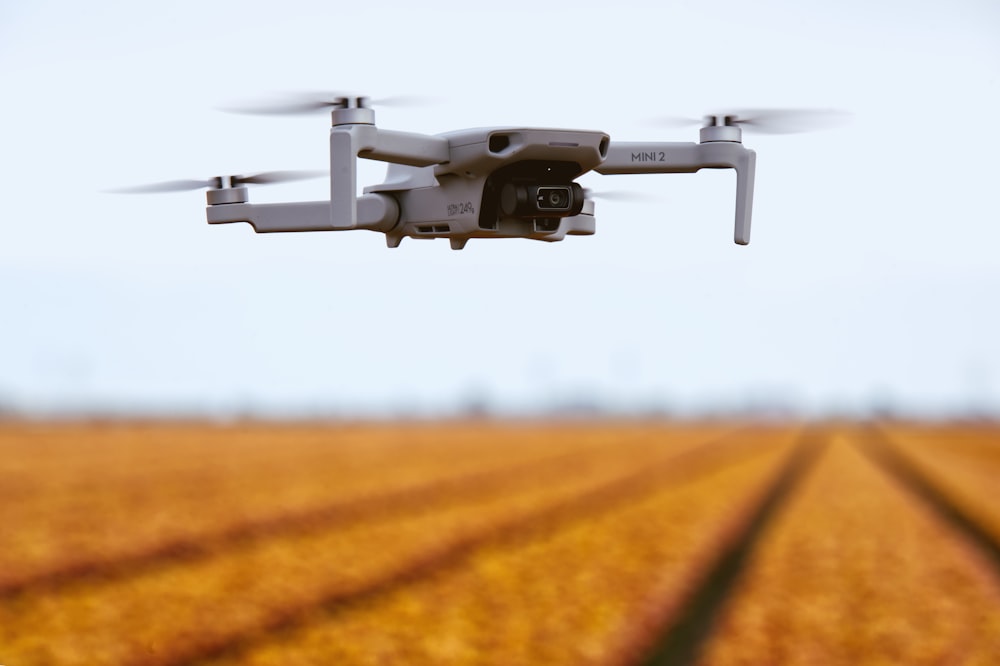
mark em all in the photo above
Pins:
pixel 870 285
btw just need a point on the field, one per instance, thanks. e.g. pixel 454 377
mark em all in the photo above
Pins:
pixel 594 543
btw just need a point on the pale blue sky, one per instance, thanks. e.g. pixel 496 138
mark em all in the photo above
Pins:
pixel 872 273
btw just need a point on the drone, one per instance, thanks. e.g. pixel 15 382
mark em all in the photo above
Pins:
pixel 495 182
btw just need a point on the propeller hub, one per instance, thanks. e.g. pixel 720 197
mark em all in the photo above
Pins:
pixel 228 195
pixel 351 102
pixel 224 182
pixel 352 111
pixel 357 115
pixel 724 131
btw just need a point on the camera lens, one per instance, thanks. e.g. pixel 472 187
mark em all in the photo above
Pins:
pixel 527 200
pixel 553 198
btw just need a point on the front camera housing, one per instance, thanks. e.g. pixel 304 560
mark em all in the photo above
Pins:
pixel 532 200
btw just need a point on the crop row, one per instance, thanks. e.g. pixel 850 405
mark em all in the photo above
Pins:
pixel 74 497
pixel 180 608
pixel 493 544
pixel 963 462
pixel 591 587
pixel 857 570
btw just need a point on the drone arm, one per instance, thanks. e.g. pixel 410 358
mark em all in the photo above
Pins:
pixel 348 142
pixel 672 157
pixel 651 157
pixel 377 212
pixel 418 150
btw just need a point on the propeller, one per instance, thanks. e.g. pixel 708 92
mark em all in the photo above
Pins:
pixel 303 103
pixel 768 121
pixel 221 182
pixel 618 195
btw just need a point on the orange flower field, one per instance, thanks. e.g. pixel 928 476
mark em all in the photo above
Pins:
pixel 168 544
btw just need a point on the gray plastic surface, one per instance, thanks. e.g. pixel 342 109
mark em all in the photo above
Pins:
pixel 373 211
pixel 349 142
pixel 666 157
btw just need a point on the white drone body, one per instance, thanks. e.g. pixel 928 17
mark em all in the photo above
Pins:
pixel 501 182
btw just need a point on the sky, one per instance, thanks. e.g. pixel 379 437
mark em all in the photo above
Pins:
pixel 871 280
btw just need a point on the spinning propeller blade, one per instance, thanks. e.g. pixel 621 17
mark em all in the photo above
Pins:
pixel 304 103
pixel 166 186
pixel 263 178
pixel 769 121
pixel 790 121
pixel 618 195
pixel 270 177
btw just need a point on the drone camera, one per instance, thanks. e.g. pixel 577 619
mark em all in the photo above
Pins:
pixel 553 198
pixel 531 201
